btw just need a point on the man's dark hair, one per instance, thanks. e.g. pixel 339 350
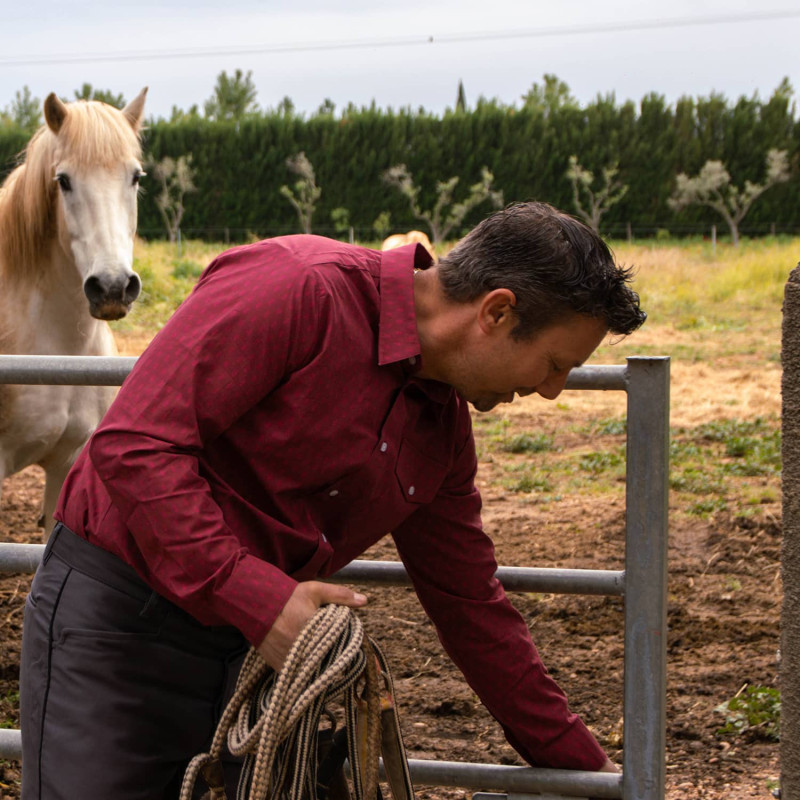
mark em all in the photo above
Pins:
pixel 554 264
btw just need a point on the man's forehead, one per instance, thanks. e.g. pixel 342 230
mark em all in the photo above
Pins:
pixel 573 343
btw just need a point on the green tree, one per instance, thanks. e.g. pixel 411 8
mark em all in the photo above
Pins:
pixel 88 92
pixel 590 201
pixel 179 115
pixel 327 108
pixel 382 224
pixel 461 99
pixel 304 194
pixel 234 97
pixel 549 97
pixel 340 217
pixel 712 187
pixel 286 108
pixel 25 111
pixel 446 214
pixel 175 177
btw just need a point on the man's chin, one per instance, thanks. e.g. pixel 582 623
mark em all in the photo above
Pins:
pixel 485 404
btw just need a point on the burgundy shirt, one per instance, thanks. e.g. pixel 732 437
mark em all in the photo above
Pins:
pixel 273 430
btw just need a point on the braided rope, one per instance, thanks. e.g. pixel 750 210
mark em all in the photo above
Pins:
pixel 273 718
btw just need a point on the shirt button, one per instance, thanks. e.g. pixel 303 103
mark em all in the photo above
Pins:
pixel 333 492
pixel 384 447
pixel 412 360
pixel 411 490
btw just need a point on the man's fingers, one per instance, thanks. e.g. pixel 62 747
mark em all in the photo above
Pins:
pixel 340 595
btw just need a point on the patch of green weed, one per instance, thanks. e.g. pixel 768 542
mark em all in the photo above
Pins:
pixel 528 443
pixel 755 710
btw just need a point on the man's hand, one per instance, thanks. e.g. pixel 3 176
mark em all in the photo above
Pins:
pixel 609 766
pixel 302 605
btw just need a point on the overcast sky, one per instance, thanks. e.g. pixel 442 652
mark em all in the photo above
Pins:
pixel 408 53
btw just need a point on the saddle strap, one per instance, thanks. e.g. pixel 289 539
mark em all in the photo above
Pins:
pixel 393 750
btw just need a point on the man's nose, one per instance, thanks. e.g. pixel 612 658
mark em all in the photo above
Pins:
pixel 553 385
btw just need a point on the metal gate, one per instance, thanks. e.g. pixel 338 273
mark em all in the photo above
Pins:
pixel 642 584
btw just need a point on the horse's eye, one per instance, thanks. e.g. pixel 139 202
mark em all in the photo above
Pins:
pixel 64 182
pixel 137 176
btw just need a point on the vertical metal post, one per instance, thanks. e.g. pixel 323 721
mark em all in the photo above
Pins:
pixel 644 757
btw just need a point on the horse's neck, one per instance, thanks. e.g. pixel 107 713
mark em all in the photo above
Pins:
pixel 51 317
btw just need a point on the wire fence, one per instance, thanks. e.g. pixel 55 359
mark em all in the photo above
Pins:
pixel 232 235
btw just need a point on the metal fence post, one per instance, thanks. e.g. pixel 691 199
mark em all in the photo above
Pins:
pixel 644 752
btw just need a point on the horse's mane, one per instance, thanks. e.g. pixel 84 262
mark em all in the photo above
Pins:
pixel 92 133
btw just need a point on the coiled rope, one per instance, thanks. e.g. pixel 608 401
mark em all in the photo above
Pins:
pixel 273 719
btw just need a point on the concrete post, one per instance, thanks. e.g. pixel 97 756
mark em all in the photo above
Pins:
pixel 790 554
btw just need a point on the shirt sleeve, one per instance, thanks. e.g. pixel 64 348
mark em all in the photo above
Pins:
pixel 241 332
pixel 451 563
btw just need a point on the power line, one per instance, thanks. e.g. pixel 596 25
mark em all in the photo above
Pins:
pixel 300 47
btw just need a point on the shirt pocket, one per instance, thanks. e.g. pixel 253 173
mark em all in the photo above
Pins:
pixel 418 473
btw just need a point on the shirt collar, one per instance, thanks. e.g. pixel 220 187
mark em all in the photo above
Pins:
pixel 397 327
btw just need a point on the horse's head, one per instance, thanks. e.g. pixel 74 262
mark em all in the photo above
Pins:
pixel 97 167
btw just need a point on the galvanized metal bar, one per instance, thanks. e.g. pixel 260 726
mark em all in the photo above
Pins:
pixel 19 557
pixel 514 579
pixel 460 774
pixel 11 744
pixel 644 762
pixel 66 370
pixel 112 370
pixel 573 783
pixel 26 557
pixel 598 377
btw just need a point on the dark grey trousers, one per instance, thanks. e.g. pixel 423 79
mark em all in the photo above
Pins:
pixel 119 688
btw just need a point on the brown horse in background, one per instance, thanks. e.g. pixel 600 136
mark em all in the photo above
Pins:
pixel 412 237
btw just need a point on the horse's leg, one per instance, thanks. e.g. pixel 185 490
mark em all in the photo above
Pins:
pixel 55 475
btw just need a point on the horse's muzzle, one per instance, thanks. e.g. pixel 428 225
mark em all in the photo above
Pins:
pixel 111 299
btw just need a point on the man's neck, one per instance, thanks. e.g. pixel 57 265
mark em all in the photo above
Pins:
pixel 441 323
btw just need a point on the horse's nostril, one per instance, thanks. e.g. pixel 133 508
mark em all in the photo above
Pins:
pixel 133 287
pixel 93 289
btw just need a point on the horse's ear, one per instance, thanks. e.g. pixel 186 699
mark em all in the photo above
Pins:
pixel 134 111
pixel 55 112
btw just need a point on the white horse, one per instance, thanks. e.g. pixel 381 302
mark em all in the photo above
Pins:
pixel 67 224
pixel 412 237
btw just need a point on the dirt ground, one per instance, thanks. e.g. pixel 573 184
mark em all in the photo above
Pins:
pixel 724 606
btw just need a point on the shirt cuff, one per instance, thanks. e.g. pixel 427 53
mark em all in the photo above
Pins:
pixel 253 596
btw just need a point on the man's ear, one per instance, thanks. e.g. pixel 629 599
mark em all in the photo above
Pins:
pixel 496 310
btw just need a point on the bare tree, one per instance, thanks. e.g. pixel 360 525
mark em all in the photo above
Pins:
pixel 446 214
pixel 304 194
pixel 175 178
pixel 712 187
pixel 599 199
